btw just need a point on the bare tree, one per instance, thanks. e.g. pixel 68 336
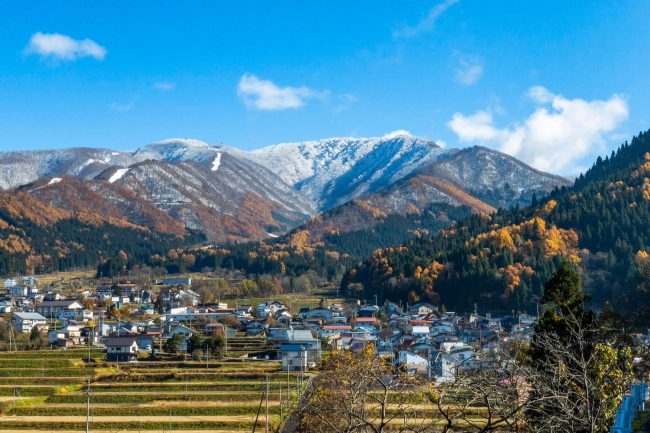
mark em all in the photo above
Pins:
pixel 360 392
pixel 575 386
pixel 579 381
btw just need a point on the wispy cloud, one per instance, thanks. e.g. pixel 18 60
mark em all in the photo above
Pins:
pixel 469 69
pixel 116 106
pixel 62 47
pixel 259 94
pixel 427 23
pixel 344 102
pixel 556 137
pixel 164 86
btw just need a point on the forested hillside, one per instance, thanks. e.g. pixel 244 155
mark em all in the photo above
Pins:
pixel 501 261
pixel 36 237
pixel 311 248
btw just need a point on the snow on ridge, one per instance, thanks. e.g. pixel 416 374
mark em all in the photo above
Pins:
pixel 217 162
pixel 54 180
pixel 272 235
pixel 118 175
pixel 398 133
pixel 317 168
pixel 189 142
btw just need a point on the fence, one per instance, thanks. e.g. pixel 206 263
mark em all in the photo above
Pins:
pixel 630 406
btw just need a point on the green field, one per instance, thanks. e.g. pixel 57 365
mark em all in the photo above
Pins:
pixel 47 390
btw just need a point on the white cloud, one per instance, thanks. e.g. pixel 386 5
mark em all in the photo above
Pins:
pixel 469 70
pixel 556 137
pixel 440 142
pixel 427 23
pixel 265 95
pixel 62 47
pixel 122 107
pixel 164 85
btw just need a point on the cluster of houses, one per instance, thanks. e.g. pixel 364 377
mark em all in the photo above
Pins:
pixel 422 339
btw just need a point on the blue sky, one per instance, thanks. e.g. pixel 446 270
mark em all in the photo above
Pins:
pixel 551 82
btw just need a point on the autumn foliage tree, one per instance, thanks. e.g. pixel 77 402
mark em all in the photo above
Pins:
pixel 354 392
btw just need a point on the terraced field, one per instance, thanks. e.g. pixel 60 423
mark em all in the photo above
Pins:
pixel 45 391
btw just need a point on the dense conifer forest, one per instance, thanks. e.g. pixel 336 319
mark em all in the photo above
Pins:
pixel 501 261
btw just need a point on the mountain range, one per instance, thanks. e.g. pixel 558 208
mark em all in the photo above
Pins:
pixel 230 195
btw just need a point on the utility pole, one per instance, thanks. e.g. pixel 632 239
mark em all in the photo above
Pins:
pixel 89 338
pixel 267 402
pixel 281 404
pixel 88 407
pixel 11 337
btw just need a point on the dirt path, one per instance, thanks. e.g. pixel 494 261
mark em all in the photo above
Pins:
pixel 179 392
pixel 125 419
pixel 165 403
pixel 122 431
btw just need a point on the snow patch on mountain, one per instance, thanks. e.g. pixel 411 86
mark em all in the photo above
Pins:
pixel 54 180
pixel 397 133
pixel 216 163
pixel 118 175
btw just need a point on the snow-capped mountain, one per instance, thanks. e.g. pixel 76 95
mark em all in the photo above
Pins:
pixel 21 168
pixel 477 178
pixel 231 194
pixel 228 198
pixel 177 149
pixel 334 170
pixel 492 176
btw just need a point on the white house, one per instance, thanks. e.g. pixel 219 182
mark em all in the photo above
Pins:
pixel 243 310
pixel 182 330
pixel 65 308
pixel 24 322
pixel 294 357
pixel 10 282
pixel 304 339
pixel 189 297
pixel 122 349
pixel 18 291
pixel 421 309
pixel 452 356
pixel 318 313
pixel 419 331
pixel 414 363
pixel 30 281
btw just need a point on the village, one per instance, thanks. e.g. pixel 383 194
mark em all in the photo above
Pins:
pixel 132 323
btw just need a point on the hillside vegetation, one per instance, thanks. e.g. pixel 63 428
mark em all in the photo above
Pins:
pixel 36 237
pixel 500 261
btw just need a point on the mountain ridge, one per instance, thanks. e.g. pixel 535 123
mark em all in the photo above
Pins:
pixel 233 195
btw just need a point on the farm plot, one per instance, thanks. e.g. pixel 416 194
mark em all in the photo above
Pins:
pixel 50 390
